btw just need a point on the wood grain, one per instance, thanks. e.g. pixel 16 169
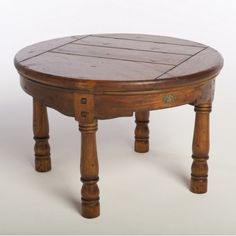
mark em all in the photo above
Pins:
pixel 121 54
pixel 92 77
pixel 200 149
pixel 152 38
pixel 141 144
pixel 116 63
pixel 42 47
pixel 86 67
pixel 139 45
pixel 89 170
pixel 41 136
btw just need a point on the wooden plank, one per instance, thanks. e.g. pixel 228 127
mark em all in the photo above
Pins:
pixel 122 54
pixel 81 67
pixel 38 48
pixel 152 38
pixel 116 67
pixel 206 60
pixel 139 45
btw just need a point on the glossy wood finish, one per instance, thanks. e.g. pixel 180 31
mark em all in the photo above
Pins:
pixel 200 149
pixel 89 170
pixel 96 62
pixel 41 136
pixel 141 131
pixel 92 77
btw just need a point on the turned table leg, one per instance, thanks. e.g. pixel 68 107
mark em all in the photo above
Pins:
pixel 200 149
pixel 41 136
pixel 89 170
pixel 141 131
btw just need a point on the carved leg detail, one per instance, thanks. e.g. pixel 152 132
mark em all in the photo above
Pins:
pixel 89 170
pixel 41 136
pixel 141 131
pixel 200 149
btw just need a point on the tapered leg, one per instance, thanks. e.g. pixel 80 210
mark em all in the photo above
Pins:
pixel 200 149
pixel 141 131
pixel 89 170
pixel 41 136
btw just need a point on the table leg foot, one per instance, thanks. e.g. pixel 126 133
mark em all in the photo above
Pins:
pixel 199 175
pixel 89 171
pixel 90 199
pixel 200 149
pixel 42 164
pixel 141 144
pixel 41 136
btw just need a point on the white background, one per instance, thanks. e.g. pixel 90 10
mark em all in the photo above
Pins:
pixel 140 193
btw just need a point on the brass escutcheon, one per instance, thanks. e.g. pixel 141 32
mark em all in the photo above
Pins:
pixel 168 98
pixel 83 100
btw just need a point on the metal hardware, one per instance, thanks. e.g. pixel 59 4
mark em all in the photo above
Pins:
pixel 169 98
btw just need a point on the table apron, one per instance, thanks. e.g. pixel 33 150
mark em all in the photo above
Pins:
pixel 59 99
pixel 86 106
pixel 116 105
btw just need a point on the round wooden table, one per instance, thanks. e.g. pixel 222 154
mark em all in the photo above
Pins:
pixel 104 76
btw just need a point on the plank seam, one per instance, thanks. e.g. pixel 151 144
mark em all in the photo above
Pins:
pixel 180 63
pixel 112 58
pixel 147 41
pixel 142 50
pixel 52 49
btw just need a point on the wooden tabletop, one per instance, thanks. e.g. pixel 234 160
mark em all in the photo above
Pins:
pixel 117 61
